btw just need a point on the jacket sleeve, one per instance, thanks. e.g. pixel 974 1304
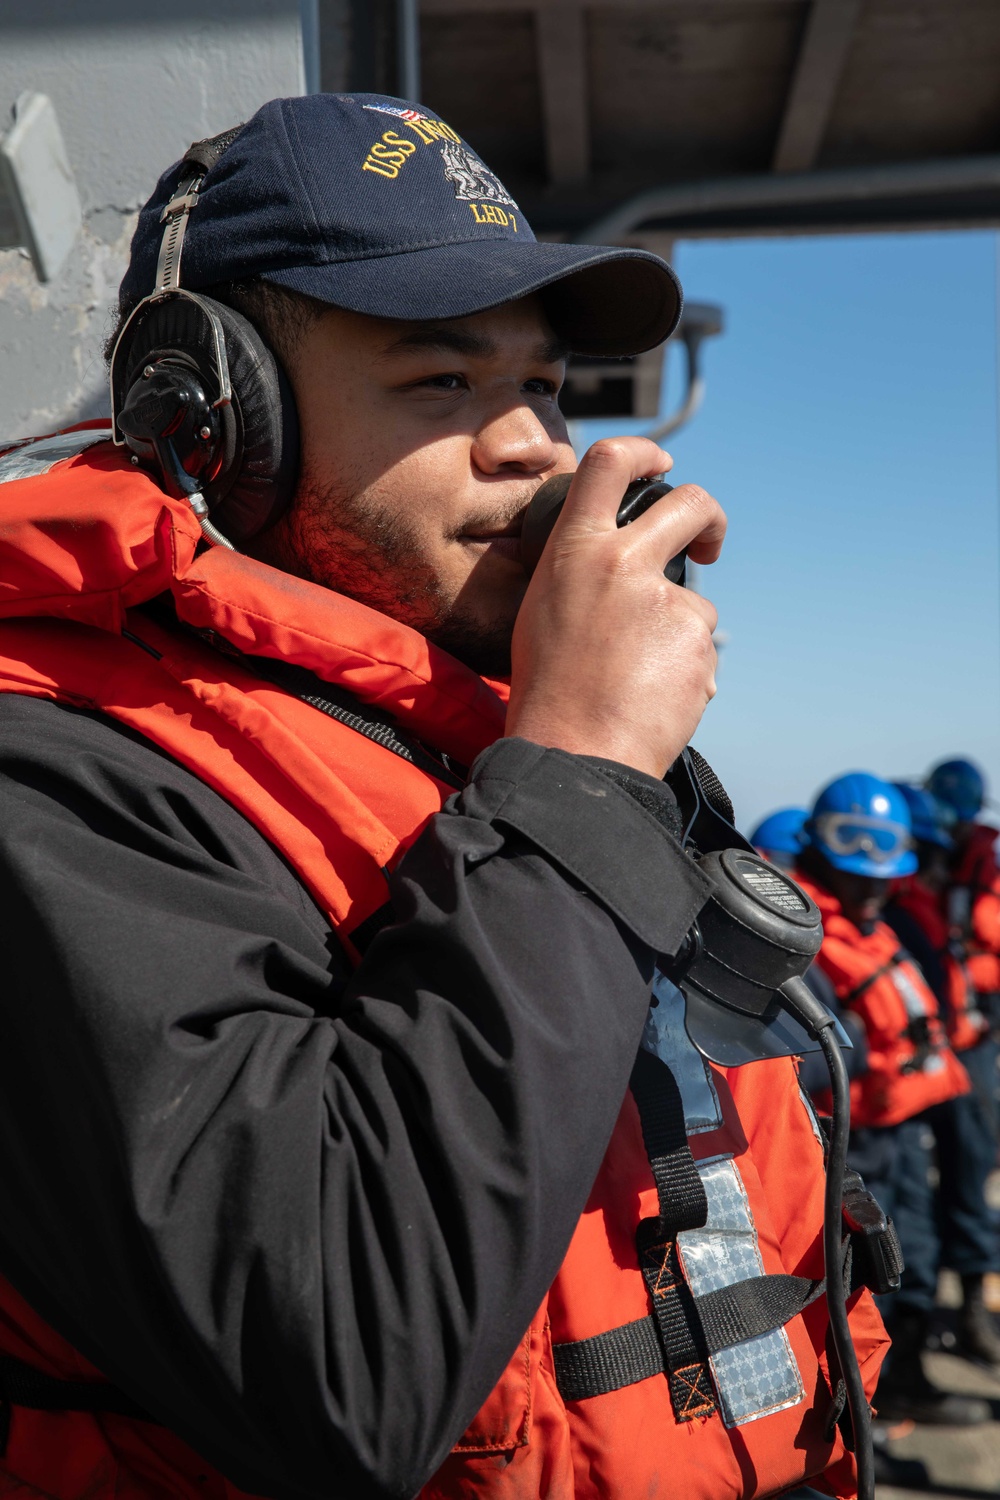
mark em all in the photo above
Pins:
pixel 303 1217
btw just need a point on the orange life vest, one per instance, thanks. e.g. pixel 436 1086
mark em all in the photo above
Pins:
pixel 910 1064
pixel 964 1023
pixel 973 900
pixel 82 545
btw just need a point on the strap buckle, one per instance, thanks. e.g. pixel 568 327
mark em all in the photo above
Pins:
pixel 184 202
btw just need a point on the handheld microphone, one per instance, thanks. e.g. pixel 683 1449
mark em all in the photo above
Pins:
pixel 548 501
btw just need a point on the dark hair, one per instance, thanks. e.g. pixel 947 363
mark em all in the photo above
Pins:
pixel 280 316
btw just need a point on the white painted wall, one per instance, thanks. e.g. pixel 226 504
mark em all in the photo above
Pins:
pixel 133 82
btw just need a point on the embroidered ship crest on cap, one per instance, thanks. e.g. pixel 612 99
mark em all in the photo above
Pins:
pixel 470 178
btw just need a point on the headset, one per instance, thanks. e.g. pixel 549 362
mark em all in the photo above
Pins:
pixel 196 393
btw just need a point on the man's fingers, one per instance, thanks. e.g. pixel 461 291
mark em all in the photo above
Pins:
pixel 703 607
pixel 606 470
pixel 686 518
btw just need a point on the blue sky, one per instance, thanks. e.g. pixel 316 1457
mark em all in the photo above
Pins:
pixel 850 430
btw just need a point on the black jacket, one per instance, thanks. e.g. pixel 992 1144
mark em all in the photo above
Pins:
pixel 302 1214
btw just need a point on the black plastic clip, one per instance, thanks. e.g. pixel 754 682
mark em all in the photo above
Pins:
pixel 877 1259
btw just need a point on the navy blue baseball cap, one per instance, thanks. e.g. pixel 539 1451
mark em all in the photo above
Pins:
pixel 374 204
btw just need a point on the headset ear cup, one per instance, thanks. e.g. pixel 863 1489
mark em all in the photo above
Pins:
pixel 255 488
pixel 258 447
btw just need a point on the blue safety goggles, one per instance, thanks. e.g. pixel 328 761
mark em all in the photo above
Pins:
pixel 879 839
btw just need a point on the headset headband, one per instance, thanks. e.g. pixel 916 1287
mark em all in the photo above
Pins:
pixel 199 159
pixel 201 156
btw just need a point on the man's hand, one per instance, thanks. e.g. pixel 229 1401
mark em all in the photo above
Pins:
pixel 608 658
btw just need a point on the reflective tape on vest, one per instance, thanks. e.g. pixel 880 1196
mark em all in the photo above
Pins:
pixel 915 1001
pixel 26 460
pixel 759 1376
pixel 917 1008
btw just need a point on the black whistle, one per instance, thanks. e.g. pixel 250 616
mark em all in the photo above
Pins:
pixel 547 502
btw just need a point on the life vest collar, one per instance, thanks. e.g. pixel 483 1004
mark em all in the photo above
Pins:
pixel 93 537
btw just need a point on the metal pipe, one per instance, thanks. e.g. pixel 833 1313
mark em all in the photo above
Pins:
pixel 699 321
pixel 408 48
pixel 795 189
pixel 309 14
pixel 689 407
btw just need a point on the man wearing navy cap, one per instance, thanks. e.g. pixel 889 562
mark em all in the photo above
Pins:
pixel 327 964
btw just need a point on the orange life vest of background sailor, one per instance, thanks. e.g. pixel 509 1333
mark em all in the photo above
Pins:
pixel 910 1064
pixel 975 908
pixel 84 546
pixel 964 1022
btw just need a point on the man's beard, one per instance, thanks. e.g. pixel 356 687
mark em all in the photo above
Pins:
pixel 347 543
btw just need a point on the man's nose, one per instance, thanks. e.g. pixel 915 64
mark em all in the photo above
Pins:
pixel 514 438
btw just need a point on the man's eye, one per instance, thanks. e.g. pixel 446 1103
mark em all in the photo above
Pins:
pixel 445 382
pixel 541 387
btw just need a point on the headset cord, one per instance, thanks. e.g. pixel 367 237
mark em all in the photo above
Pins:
pixel 819 1023
pixel 209 531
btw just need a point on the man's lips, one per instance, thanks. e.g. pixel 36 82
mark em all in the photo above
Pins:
pixel 491 533
pixel 503 541
pixel 498 543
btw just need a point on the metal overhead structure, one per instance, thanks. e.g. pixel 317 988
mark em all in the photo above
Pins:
pixel 645 120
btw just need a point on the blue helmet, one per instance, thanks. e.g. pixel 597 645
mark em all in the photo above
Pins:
pixel 781 833
pixel 959 785
pixel 930 819
pixel 861 824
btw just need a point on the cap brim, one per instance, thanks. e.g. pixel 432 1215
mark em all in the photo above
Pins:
pixel 731 1038
pixel 601 300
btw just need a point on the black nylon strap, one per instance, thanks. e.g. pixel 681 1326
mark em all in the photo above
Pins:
pixel 705 809
pixel 745 1310
pixel 685 1354
pixel 22 1385
pixel 683 1205
pixel 623 1356
pixel 608 1361
pixel 681 1193
pixel 710 786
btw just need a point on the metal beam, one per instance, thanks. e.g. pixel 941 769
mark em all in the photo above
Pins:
pixel 814 85
pixel 696 207
pixel 408 49
pixel 562 70
pixel 466 8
